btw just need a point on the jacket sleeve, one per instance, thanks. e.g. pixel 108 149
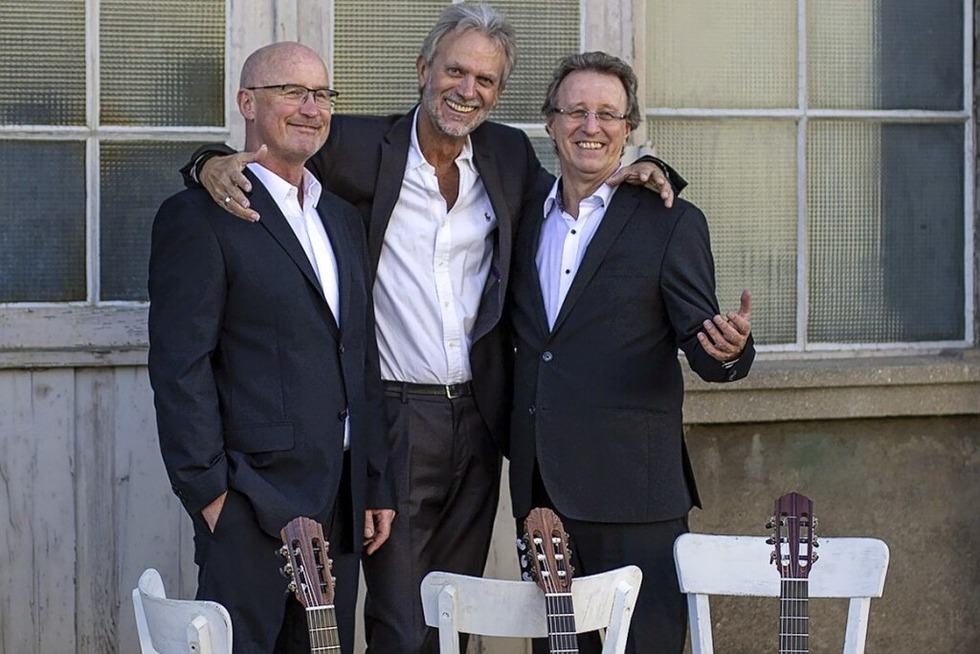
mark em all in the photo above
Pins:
pixel 192 168
pixel 688 287
pixel 187 298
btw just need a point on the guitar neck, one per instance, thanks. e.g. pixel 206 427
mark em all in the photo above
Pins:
pixel 562 637
pixel 322 622
pixel 794 627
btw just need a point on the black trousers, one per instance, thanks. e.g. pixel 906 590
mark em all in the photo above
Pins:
pixel 659 624
pixel 447 475
pixel 239 566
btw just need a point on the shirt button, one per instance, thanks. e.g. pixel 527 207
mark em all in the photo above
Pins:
pixel 547 356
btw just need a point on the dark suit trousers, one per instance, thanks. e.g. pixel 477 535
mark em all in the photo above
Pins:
pixel 239 566
pixel 447 474
pixel 659 624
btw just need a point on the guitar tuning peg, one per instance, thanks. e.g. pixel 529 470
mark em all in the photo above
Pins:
pixel 770 541
pixel 772 557
pixel 771 522
pixel 521 545
pixel 287 570
pixel 292 587
pixel 815 522
pixel 284 552
pixel 816 542
pixel 815 556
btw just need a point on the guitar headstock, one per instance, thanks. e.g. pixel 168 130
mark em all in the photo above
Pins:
pixel 793 536
pixel 307 566
pixel 545 554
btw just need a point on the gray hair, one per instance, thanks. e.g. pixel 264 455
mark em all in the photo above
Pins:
pixel 599 62
pixel 460 18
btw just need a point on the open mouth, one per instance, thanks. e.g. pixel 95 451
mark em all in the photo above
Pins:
pixel 460 108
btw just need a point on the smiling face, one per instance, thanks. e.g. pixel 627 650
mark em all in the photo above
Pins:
pixel 293 133
pixel 589 149
pixel 463 82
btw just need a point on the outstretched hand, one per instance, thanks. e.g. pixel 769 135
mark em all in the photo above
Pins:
pixel 648 175
pixel 224 181
pixel 724 337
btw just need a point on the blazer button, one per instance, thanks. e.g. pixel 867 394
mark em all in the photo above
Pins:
pixel 547 356
pixel 342 415
pixel 341 348
pixel 531 409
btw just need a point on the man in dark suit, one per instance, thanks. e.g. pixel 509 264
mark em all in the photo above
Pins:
pixel 608 284
pixel 441 190
pixel 264 365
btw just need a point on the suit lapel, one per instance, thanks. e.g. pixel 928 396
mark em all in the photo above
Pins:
pixel 618 213
pixel 391 172
pixel 276 224
pixel 528 284
pixel 343 248
pixel 489 171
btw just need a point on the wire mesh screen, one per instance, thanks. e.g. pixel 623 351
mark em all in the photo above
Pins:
pixel 722 54
pixel 42 68
pixel 742 174
pixel 42 222
pixel 376 45
pixel 884 206
pixel 162 63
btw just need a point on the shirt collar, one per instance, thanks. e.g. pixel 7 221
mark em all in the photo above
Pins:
pixel 415 156
pixel 599 198
pixel 281 190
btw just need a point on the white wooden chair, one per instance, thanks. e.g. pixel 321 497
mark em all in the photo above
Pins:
pixel 171 626
pixel 516 609
pixel 707 564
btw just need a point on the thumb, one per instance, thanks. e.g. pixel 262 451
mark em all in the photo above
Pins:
pixel 255 157
pixel 746 303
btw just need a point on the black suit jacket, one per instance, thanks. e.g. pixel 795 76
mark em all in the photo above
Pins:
pixel 251 373
pixel 597 400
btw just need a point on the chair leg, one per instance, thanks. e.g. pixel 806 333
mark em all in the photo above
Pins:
pixel 699 615
pixel 448 635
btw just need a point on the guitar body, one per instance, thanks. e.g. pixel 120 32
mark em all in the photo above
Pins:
pixel 793 538
pixel 305 550
pixel 545 554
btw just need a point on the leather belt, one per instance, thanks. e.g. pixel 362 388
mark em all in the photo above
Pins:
pixel 450 391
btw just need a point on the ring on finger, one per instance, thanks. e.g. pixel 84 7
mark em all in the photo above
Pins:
pixel 227 199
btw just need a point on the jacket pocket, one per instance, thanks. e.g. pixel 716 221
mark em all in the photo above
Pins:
pixel 253 439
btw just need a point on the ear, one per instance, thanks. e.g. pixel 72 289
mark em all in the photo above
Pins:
pixel 246 104
pixel 422 70
pixel 547 126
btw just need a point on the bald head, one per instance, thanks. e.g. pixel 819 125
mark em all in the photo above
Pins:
pixel 267 63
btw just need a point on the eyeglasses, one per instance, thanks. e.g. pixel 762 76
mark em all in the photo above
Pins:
pixel 582 115
pixel 296 94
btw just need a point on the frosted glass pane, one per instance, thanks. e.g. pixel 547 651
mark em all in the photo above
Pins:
pixel 885 209
pixel 544 147
pixel 162 62
pixel 136 178
pixel 42 222
pixel 375 47
pixel 752 217
pixel 376 44
pixel 722 54
pixel 546 31
pixel 42 67
pixel 871 54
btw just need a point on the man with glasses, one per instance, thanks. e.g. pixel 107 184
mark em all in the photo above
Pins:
pixel 608 284
pixel 264 366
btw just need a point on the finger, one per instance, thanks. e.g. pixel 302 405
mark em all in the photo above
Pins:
pixel 745 305
pixel 712 351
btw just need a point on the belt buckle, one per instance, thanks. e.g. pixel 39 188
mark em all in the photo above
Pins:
pixel 452 391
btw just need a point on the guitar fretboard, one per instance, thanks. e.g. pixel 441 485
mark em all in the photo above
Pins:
pixel 794 627
pixel 562 637
pixel 322 622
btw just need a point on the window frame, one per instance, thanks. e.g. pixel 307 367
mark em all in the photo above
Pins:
pixel 802 115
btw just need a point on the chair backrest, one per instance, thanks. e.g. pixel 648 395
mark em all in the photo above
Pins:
pixel 707 564
pixel 171 626
pixel 496 607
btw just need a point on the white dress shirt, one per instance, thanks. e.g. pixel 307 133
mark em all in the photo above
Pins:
pixel 312 235
pixel 434 265
pixel 563 243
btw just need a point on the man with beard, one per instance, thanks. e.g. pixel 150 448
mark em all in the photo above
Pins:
pixel 441 191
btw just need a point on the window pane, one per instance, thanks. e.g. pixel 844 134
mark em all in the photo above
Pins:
pixel 752 217
pixel 375 46
pixel 136 178
pixel 169 74
pixel 546 31
pixel 42 70
pixel 722 54
pixel 544 147
pixel 885 206
pixel 869 54
pixel 42 222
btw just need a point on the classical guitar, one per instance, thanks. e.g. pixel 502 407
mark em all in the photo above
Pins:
pixel 308 568
pixel 793 537
pixel 546 557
